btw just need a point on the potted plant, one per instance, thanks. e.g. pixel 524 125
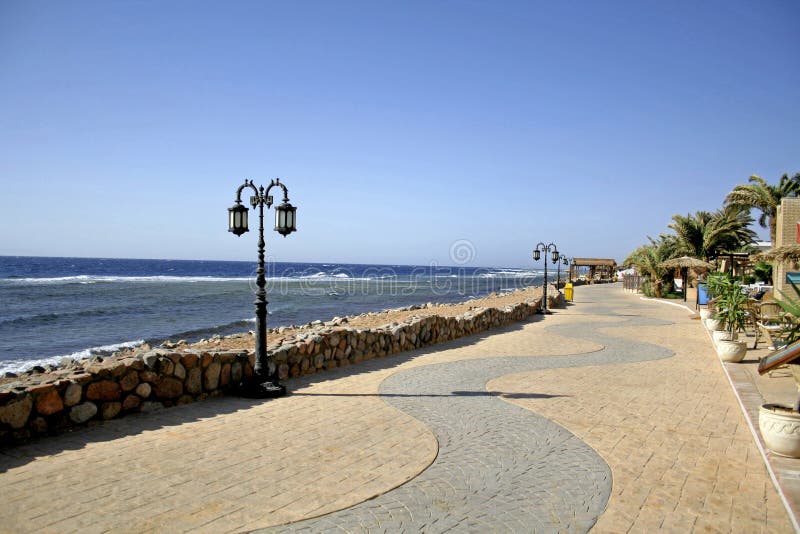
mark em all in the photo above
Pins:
pixel 780 425
pixel 715 287
pixel 731 311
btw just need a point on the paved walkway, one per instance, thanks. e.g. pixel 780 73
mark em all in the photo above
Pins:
pixel 613 411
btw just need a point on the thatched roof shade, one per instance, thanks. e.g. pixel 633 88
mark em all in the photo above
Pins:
pixel 687 262
pixel 783 253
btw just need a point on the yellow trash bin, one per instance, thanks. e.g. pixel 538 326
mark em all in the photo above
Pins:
pixel 568 292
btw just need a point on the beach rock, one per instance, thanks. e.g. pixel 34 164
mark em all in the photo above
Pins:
pixel 236 372
pixel 36 369
pixel 82 412
pixel 148 376
pixel 49 403
pixel 179 371
pixel 150 358
pixel 66 362
pixel 9 374
pixel 72 395
pixel 194 384
pixel 38 425
pixel 189 360
pixel 109 410
pixel 225 375
pixel 129 381
pixel 211 379
pixel 151 407
pixel 105 390
pixel 168 344
pixel 144 390
pixel 169 388
pixel 132 401
pixel 15 413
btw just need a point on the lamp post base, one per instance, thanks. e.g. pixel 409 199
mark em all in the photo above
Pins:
pixel 256 388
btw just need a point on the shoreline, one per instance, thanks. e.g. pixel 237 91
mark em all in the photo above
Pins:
pixel 146 380
pixel 276 336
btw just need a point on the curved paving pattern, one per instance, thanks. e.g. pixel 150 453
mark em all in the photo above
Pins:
pixel 500 467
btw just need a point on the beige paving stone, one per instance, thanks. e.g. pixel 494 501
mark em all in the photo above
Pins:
pixel 681 435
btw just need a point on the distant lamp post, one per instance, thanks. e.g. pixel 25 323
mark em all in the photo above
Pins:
pixel 264 382
pixel 537 254
pixel 565 261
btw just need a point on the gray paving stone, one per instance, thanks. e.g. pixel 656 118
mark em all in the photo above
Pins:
pixel 500 468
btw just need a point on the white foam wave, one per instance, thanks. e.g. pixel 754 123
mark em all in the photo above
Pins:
pixel 94 279
pixel 20 366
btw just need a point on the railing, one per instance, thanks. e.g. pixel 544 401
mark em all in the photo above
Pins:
pixel 632 282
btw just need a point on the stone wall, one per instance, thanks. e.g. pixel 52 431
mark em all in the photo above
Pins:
pixel 91 391
pixel 785 234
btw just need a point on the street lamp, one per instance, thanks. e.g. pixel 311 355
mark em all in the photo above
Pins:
pixel 537 254
pixel 565 261
pixel 264 382
pixel 568 262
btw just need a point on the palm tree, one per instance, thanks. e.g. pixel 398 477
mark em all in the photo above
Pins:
pixel 759 194
pixel 705 234
pixel 647 259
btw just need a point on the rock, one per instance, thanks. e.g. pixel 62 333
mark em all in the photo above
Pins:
pixel 194 384
pixel 165 366
pixel 129 381
pixel 49 403
pixel 36 369
pixel 236 372
pixel 105 390
pixel 72 395
pixel 109 410
pixel 66 362
pixel 15 413
pixel 151 406
pixel 225 375
pixel 148 376
pixel 9 374
pixel 82 412
pixel 189 360
pixel 38 425
pixel 211 378
pixel 132 401
pixel 150 358
pixel 169 388
pixel 179 371
pixel 168 344
pixel 143 390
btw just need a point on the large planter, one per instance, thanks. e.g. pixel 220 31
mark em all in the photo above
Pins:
pixel 713 324
pixel 731 351
pixel 723 335
pixel 705 313
pixel 780 428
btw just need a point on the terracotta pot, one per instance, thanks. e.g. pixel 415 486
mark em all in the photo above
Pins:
pixel 731 351
pixel 780 428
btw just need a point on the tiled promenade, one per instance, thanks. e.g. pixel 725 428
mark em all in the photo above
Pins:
pixel 654 440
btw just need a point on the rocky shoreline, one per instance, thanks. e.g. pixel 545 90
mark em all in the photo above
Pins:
pixel 50 401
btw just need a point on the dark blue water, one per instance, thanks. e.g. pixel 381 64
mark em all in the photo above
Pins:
pixel 54 307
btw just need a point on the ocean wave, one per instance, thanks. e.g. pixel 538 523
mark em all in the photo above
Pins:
pixel 96 279
pixel 17 365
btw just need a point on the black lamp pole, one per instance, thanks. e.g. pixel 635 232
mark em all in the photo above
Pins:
pixel 537 253
pixel 264 382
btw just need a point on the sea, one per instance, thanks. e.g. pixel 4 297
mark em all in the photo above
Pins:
pixel 79 307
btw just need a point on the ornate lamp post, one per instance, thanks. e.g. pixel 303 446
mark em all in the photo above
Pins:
pixel 568 262
pixel 537 254
pixel 264 382
pixel 565 261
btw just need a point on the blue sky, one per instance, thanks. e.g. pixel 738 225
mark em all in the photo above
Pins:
pixel 400 128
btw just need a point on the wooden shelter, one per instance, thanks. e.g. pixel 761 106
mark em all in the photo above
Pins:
pixel 600 269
